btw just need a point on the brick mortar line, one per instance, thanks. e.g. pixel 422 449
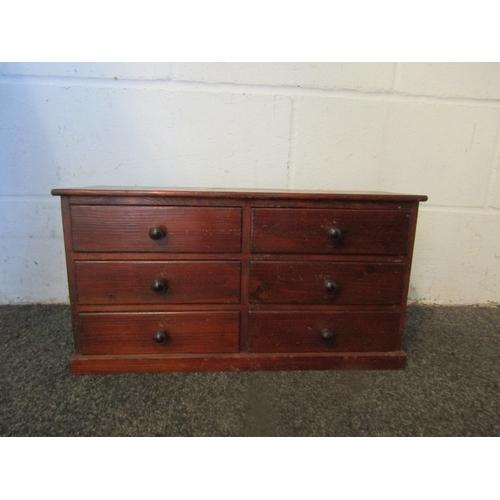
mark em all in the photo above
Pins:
pixel 251 89
pixel 494 172
pixel 397 77
pixel 292 146
pixel 454 209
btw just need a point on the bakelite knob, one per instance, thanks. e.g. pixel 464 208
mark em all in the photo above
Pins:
pixel 158 286
pixel 156 233
pixel 335 233
pixel 330 286
pixel 160 336
pixel 327 335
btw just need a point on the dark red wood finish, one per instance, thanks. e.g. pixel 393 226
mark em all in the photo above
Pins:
pixel 126 229
pixel 363 232
pixel 245 272
pixel 195 195
pixel 304 283
pixel 185 332
pixel 187 282
pixel 81 364
pixel 302 331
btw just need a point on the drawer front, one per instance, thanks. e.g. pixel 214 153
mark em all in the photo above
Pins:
pixel 323 332
pixel 178 229
pixel 159 333
pixel 288 230
pixel 158 282
pixel 325 283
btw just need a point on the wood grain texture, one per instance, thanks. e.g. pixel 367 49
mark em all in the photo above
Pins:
pixel 188 282
pixel 114 191
pixel 358 203
pixel 126 229
pixel 290 230
pixel 70 268
pixel 234 256
pixel 303 282
pixel 186 332
pixel 301 331
pixel 406 280
pixel 245 273
pixel 82 365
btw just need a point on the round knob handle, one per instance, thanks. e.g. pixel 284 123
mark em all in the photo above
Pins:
pixel 330 286
pixel 158 286
pixel 335 233
pixel 327 335
pixel 160 336
pixel 156 233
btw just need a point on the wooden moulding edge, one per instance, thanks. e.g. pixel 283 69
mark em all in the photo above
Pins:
pixel 81 364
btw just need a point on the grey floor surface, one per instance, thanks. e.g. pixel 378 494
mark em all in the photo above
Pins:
pixel 450 387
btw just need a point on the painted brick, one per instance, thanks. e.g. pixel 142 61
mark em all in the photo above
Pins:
pixel 458 79
pixel 32 252
pixel 456 258
pixel 495 201
pixel 75 136
pixel 338 143
pixel 32 141
pixel 444 151
pixel 58 135
pixel 141 71
pixel 345 75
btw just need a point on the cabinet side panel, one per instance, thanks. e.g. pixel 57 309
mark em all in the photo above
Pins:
pixel 70 267
pixel 407 272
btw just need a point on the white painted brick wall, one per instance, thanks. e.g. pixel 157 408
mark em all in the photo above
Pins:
pixel 423 128
pixel 32 258
pixel 469 80
pixel 141 71
pixel 441 149
pixel 494 201
pixel 354 76
pixel 337 143
pixel 457 256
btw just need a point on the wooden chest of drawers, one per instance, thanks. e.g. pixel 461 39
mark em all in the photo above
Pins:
pixel 164 280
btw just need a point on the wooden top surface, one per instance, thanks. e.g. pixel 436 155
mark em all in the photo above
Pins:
pixel 234 193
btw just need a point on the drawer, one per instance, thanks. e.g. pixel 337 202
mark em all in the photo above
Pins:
pixel 323 332
pixel 159 333
pixel 286 282
pixel 158 282
pixel 178 229
pixel 329 231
